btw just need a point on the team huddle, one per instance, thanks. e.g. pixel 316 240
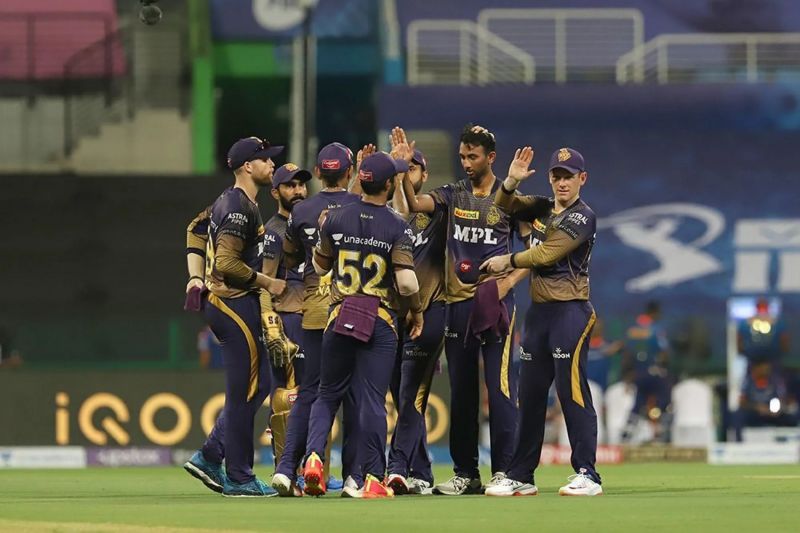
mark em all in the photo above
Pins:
pixel 353 292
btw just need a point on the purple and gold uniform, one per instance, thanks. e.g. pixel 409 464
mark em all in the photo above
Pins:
pixel 476 231
pixel 366 244
pixel 288 305
pixel 408 455
pixel 557 330
pixel 302 234
pixel 233 251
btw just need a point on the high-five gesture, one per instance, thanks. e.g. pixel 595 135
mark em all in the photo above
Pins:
pixel 518 170
pixel 366 150
pixel 401 148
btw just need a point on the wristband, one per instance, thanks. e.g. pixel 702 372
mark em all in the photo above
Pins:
pixel 197 277
pixel 511 260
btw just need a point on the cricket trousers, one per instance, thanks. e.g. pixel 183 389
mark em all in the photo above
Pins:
pixel 463 354
pixel 368 366
pixel 297 430
pixel 236 322
pixel 408 454
pixel 555 347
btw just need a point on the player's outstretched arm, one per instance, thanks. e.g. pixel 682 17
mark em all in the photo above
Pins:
pixel 507 197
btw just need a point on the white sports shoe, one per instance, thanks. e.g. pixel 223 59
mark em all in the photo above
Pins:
pixel 511 487
pixel 350 489
pixel 581 485
pixel 418 486
pixel 497 477
pixel 458 485
pixel 398 484
pixel 285 487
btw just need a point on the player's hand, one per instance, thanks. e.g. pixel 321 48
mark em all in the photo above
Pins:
pixel 194 283
pixel 322 216
pixel 366 150
pixel 194 295
pixel 416 324
pixel 276 286
pixel 518 170
pixel 401 148
pixel 497 264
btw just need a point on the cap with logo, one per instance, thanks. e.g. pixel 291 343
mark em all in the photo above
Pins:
pixel 568 159
pixel 287 173
pixel 419 158
pixel 379 167
pixel 334 157
pixel 250 149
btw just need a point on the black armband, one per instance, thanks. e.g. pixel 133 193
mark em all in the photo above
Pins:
pixel 511 260
pixel 198 251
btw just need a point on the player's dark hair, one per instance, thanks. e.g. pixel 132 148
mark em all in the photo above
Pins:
pixel 372 188
pixel 332 179
pixel 653 307
pixel 481 137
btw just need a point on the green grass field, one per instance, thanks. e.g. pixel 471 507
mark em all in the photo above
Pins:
pixel 640 497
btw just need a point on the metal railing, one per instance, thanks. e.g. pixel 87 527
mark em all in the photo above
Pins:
pixel 712 58
pixel 98 87
pixel 460 52
pixel 569 44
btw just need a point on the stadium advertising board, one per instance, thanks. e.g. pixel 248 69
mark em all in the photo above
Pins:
pixel 138 409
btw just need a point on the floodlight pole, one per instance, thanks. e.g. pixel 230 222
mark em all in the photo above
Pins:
pixel 304 90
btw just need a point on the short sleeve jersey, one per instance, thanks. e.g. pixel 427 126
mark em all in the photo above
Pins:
pixel 302 232
pixel 366 243
pixel 476 231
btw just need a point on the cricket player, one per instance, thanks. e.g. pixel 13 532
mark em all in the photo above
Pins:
pixel 368 248
pixel 476 231
pixel 228 237
pixel 559 323
pixel 409 465
pixel 334 165
pixel 284 320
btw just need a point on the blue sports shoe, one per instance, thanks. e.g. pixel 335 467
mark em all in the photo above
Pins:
pixel 252 489
pixel 211 474
pixel 334 484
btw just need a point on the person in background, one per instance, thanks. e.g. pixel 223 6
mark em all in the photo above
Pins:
pixel 209 350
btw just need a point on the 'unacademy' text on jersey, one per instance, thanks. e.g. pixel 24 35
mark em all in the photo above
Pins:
pixel 302 234
pixel 366 243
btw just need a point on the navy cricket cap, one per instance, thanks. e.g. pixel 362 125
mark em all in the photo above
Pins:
pixel 419 158
pixel 568 159
pixel 250 149
pixel 287 173
pixel 334 157
pixel 379 167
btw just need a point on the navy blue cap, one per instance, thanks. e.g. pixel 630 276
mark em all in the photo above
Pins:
pixel 287 173
pixel 419 158
pixel 334 157
pixel 568 159
pixel 249 149
pixel 380 167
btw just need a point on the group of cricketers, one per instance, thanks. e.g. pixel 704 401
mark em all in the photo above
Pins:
pixel 353 292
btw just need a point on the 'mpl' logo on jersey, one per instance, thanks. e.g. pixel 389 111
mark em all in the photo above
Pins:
pixel 474 235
